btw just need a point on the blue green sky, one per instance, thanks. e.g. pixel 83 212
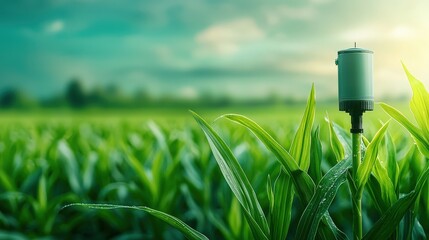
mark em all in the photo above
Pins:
pixel 242 48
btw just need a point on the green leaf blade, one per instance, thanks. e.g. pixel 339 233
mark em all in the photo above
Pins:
pixel 322 199
pixel 315 169
pixel 185 229
pixel 388 222
pixel 370 157
pixel 300 148
pixel 419 138
pixel 419 102
pixel 339 140
pixel 303 183
pixel 237 180
pixel 282 206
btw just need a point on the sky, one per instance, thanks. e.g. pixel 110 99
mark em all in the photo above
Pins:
pixel 190 48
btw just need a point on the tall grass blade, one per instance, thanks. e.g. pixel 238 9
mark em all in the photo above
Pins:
pixel 187 231
pixel 322 199
pixel 237 181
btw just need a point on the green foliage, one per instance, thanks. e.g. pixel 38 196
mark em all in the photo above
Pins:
pixel 237 181
pixel 322 199
pixel 369 159
pixel 189 232
pixel 387 224
pixel 303 183
pixel 420 107
pixel 285 180
pixel 282 201
pixel 316 156
pixel 301 145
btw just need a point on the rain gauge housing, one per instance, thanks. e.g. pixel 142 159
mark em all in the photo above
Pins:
pixel 355 87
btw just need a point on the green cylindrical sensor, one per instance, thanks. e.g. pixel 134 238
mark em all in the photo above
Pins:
pixel 355 87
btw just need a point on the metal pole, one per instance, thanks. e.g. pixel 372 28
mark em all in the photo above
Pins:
pixel 356 195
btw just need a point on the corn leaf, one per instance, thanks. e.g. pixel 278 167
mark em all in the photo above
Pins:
pixel 5 182
pixel 370 158
pixel 303 183
pixel 387 192
pixel 42 195
pixel 161 139
pixel 382 196
pixel 419 102
pixel 281 211
pixel 300 148
pixel 221 226
pixel 405 171
pixel 315 169
pixel 417 134
pixel 424 210
pixel 237 181
pixel 235 218
pixel 392 165
pixel 387 224
pixel 72 171
pixel 340 141
pixel 380 186
pixel 322 199
pixel 187 231
pixel 141 173
pixel 270 193
pixel 283 188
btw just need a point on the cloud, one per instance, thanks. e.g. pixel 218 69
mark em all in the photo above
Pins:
pixel 320 67
pixel 54 26
pixel 361 34
pixel 403 32
pixel 281 14
pixel 227 38
pixel 381 33
pixel 320 1
pixel 299 13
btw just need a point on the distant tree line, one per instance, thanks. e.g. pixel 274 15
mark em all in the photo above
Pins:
pixel 77 97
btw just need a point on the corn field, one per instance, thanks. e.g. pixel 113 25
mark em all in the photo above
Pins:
pixel 225 179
